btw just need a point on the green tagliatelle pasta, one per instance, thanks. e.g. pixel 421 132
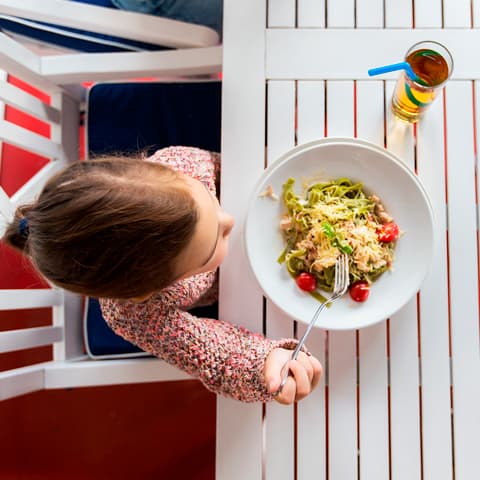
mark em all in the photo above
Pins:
pixel 333 218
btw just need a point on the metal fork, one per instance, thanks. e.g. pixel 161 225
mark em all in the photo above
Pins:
pixel 340 287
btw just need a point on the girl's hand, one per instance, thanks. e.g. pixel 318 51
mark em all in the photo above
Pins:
pixel 305 373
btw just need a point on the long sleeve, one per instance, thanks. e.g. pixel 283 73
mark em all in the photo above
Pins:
pixel 229 360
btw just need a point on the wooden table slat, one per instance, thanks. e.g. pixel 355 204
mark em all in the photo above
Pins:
pixel 311 416
pixel 281 13
pixel 239 427
pixel 434 324
pixel 457 13
pixel 342 361
pixel 280 433
pixel 311 419
pixel 373 361
pixel 428 13
pixel 462 237
pixel 311 13
pixel 403 343
pixel 369 13
pixel 346 54
pixel 476 14
pixel 340 13
pixel 398 14
pixel 310 110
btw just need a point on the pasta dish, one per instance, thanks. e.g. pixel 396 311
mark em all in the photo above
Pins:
pixel 332 218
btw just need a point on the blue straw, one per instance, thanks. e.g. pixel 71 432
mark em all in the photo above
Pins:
pixel 394 67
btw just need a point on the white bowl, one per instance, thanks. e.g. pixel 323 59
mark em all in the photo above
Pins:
pixel 382 174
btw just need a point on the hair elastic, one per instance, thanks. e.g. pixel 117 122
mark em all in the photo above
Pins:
pixel 23 227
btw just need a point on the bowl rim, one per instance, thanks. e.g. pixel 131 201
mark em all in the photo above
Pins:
pixel 272 167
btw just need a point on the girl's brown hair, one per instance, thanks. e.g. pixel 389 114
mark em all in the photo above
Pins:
pixel 110 227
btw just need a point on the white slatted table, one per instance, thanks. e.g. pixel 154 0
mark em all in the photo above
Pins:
pixel 399 400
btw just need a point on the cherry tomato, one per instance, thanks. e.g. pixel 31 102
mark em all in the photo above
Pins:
pixel 306 281
pixel 388 232
pixel 360 290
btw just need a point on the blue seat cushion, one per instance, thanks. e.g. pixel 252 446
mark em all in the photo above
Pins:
pixel 133 117
pixel 102 342
pixel 73 38
pixel 100 339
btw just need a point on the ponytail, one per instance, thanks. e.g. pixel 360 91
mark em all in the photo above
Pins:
pixel 17 232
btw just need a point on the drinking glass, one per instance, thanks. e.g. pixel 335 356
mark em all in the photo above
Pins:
pixel 432 64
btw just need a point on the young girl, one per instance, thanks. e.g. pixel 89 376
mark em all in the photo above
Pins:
pixel 146 237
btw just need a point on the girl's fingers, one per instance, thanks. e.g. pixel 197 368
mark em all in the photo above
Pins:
pixel 317 371
pixel 302 382
pixel 287 396
pixel 304 359
pixel 313 368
